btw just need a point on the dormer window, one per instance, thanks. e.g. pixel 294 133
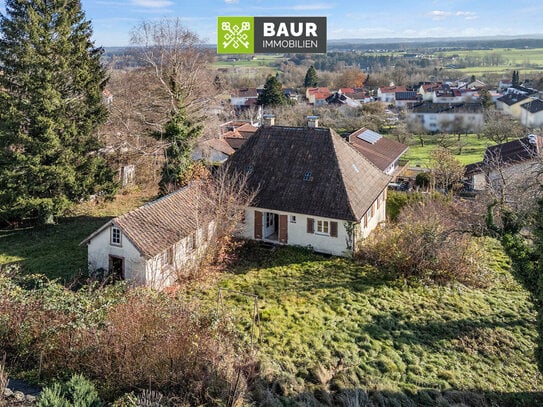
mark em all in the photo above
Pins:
pixel 115 238
pixel 307 176
pixel 250 169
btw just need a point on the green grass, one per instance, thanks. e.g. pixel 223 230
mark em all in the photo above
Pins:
pixel 328 323
pixel 473 148
pixel 53 250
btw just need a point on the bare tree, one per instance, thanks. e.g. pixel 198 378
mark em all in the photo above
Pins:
pixel 179 63
pixel 500 128
pixel 447 171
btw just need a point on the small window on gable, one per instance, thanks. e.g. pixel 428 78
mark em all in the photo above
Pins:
pixel 307 176
pixel 292 218
pixel 116 236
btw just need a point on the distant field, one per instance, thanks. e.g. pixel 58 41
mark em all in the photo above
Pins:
pixel 257 61
pixel 472 147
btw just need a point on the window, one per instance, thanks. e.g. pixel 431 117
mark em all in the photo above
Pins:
pixel 378 201
pixel 250 169
pixel 292 218
pixel 269 219
pixel 323 227
pixel 191 242
pixel 167 257
pixel 116 236
pixel 307 176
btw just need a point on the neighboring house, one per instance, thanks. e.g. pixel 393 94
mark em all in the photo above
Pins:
pixel 243 98
pixel 426 90
pixel 406 99
pixel 504 84
pixel 292 94
pixel 341 99
pixel 313 189
pixel 507 162
pixel 474 85
pixel 383 152
pixel 386 94
pixel 444 117
pixel 531 115
pixel 317 96
pixel 521 90
pixel 511 103
pixel 448 95
pixel 215 150
pixel 361 96
pixel 347 91
pixel 151 245
pixel 236 132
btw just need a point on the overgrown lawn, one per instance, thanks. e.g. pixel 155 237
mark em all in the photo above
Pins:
pixel 328 323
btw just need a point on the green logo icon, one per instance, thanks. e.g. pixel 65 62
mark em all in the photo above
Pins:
pixel 235 35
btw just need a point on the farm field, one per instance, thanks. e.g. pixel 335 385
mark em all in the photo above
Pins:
pixel 331 324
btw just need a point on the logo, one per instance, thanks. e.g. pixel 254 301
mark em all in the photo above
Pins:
pixel 235 35
pixel 260 35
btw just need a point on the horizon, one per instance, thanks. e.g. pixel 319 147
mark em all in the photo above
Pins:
pixel 112 20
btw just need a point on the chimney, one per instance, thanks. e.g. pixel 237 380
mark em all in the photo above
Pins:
pixel 268 120
pixel 312 121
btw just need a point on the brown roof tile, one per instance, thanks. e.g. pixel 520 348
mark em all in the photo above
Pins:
pixel 382 153
pixel 156 226
pixel 342 183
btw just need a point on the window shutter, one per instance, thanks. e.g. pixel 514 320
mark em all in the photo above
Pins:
pixel 258 225
pixel 333 229
pixel 283 229
pixel 310 225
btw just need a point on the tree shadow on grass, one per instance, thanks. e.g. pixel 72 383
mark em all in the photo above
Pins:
pixel 52 250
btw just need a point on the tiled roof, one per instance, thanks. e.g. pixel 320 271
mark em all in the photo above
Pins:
pixel 235 142
pixel 342 183
pixel 514 151
pixel 382 153
pixel 392 89
pixel 245 93
pixel 219 145
pixel 534 106
pixel 156 226
pixel 429 107
pixel 247 130
pixel 512 98
pixel 346 91
pixel 312 91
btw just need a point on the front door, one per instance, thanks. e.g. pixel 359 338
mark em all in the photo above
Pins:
pixel 116 267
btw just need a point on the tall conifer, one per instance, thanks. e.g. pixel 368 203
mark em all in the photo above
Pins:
pixel 50 106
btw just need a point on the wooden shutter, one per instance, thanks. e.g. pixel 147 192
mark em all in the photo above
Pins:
pixel 283 228
pixel 310 225
pixel 333 229
pixel 258 225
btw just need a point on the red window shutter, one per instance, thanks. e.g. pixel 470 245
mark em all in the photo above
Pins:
pixel 333 229
pixel 283 229
pixel 258 225
pixel 310 225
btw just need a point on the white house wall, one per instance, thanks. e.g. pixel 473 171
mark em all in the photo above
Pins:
pixel 99 250
pixel 297 232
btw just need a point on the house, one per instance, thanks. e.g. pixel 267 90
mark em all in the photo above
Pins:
pixel 312 188
pixel 426 90
pixel 153 244
pixel 216 150
pixel 243 98
pixel 531 115
pixel 406 99
pixel 511 103
pixel 235 132
pixel 383 152
pixel 521 90
pixel 507 162
pixel 504 84
pixel 317 96
pixel 447 117
pixel 386 94
pixel 338 98
pixel 361 96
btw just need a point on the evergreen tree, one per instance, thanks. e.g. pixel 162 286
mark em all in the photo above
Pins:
pixel 486 98
pixel 515 80
pixel 50 106
pixel 272 94
pixel 180 133
pixel 311 79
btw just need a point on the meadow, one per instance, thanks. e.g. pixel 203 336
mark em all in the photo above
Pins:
pixel 329 324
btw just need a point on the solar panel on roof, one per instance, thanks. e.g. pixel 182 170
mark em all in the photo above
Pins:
pixel 370 137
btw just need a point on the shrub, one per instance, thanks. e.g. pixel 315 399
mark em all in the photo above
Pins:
pixel 428 242
pixel 122 340
pixel 78 392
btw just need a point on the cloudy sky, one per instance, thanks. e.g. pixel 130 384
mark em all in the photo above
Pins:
pixel 113 19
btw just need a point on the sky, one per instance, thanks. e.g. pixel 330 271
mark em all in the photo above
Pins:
pixel 113 20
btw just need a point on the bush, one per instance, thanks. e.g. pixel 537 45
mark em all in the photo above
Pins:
pixel 122 340
pixel 78 392
pixel 428 242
